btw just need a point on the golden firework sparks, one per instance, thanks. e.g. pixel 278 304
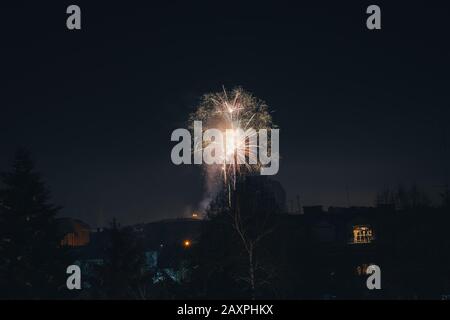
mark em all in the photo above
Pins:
pixel 240 115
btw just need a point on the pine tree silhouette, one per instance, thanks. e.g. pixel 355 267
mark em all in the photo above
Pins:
pixel 123 273
pixel 31 262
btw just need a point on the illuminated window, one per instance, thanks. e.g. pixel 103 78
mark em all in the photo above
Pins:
pixel 75 239
pixel 362 234
pixel 361 270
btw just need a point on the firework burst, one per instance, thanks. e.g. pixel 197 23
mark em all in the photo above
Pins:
pixel 240 115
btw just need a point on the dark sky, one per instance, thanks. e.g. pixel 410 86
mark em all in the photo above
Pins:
pixel 357 109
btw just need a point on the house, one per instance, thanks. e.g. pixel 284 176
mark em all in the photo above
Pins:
pixel 73 232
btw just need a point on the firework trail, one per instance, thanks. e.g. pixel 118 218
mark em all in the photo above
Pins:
pixel 241 115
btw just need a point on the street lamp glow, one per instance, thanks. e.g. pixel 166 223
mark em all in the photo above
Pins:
pixel 186 243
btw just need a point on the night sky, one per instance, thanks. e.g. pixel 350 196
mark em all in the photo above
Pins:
pixel 357 109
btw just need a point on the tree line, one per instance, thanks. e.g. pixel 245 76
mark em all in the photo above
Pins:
pixel 250 249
